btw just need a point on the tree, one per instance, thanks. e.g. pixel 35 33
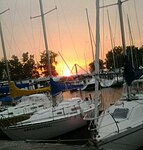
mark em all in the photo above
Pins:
pixel 44 63
pixel 3 74
pixel 28 63
pixel 118 58
pixel 92 66
pixel 15 68
pixel 141 56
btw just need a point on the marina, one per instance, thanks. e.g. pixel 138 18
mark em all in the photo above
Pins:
pixel 79 139
pixel 62 109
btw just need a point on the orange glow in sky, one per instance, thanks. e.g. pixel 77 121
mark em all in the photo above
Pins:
pixel 66 72
pixel 66 29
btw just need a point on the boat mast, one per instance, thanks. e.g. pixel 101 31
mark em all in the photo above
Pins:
pixel 44 33
pixel 122 26
pixel 131 40
pixel 45 37
pixel 3 47
pixel 96 62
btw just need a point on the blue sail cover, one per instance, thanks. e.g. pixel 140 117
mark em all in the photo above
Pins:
pixel 5 99
pixel 129 73
pixel 5 89
pixel 55 87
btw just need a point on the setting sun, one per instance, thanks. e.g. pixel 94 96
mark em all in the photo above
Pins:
pixel 66 72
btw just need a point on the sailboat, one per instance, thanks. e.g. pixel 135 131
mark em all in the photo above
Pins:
pixel 111 78
pixel 49 122
pixel 120 126
pixel 25 102
pixel 60 118
pixel 89 81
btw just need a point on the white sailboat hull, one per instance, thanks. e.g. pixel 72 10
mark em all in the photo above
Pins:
pixel 111 82
pixel 121 125
pixel 45 130
pixel 89 85
pixel 51 122
pixel 128 140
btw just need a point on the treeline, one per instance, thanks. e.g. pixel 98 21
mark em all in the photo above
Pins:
pixel 115 58
pixel 27 68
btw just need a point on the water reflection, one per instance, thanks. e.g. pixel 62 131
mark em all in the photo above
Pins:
pixel 108 95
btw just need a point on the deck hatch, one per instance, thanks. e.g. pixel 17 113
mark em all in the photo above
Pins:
pixel 120 113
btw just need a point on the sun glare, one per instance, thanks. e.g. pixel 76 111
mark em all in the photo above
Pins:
pixel 66 72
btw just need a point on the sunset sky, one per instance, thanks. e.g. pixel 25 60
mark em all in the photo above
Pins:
pixel 67 28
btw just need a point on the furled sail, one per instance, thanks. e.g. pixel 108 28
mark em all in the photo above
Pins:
pixel 16 92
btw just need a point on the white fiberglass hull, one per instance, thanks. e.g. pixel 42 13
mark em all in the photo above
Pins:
pixel 121 125
pixel 117 81
pixel 130 139
pixel 89 85
pixel 45 130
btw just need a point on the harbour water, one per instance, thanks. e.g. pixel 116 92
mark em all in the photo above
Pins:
pixel 79 139
pixel 108 95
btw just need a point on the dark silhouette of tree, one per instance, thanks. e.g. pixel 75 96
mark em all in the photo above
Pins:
pixel 118 58
pixel 141 56
pixel 28 63
pixel 3 74
pixel 92 66
pixel 134 54
pixel 15 68
pixel 44 63
pixel 26 68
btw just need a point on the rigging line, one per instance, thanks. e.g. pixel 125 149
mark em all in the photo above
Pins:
pixel 116 19
pixel 31 24
pixel 69 30
pixel 124 17
pixel 65 62
pixel 131 40
pixel 57 15
pixel 24 28
pixel 111 38
pixel 59 35
pixel 7 40
pixel 102 52
pixel 85 62
pixel 40 39
pixel 137 22
pixel 89 29
pixel 47 29
pixel 13 23
pixel 130 18
pixel 117 28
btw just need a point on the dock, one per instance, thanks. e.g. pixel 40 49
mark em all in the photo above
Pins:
pixel 23 145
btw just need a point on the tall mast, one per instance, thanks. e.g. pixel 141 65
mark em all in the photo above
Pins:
pixel 131 40
pixel 96 63
pixel 122 26
pixel 45 37
pixel 4 52
pixel 44 33
pixel 3 47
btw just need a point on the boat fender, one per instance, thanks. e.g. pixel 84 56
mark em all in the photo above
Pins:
pixel 86 99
